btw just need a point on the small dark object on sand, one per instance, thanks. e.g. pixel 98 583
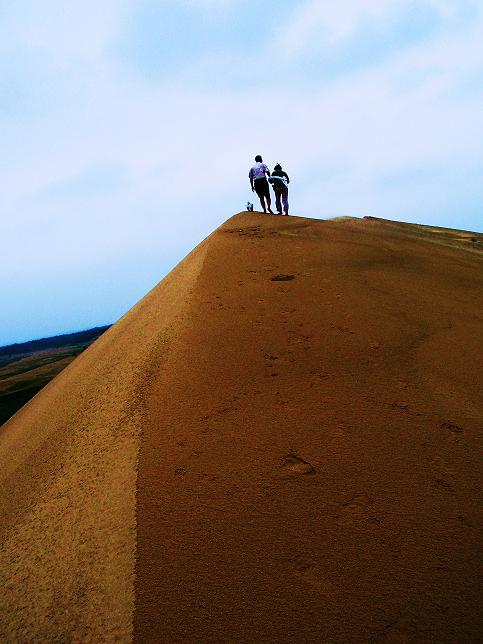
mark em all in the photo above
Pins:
pixel 282 278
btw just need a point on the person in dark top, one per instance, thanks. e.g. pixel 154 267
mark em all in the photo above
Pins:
pixel 280 181
pixel 258 181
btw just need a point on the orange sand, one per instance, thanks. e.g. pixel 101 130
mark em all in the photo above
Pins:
pixel 243 459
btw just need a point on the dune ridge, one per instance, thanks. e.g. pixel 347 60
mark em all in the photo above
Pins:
pixel 279 443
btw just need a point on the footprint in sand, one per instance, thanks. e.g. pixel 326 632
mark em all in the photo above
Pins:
pixel 343 329
pixel 312 573
pixel 356 508
pixel 401 631
pixel 443 476
pixel 282 278
pixel 293 465
pixel 455 432
pixel 452 427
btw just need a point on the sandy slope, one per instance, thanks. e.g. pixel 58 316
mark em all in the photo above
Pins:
pixel 250 459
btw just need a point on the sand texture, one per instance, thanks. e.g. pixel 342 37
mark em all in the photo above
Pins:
pixel 280 443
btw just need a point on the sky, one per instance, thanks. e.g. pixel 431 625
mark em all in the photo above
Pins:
pixel 127 129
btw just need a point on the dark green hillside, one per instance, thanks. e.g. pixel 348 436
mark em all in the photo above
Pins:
pixel 27 367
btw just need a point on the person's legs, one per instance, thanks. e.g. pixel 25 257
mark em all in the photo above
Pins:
pixel 285 200
pixel 260 190
pixel 269 204
pixel 278 205
pixel 266 193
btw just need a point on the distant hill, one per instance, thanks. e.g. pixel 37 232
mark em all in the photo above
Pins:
pixel 25 368
pixel 53 342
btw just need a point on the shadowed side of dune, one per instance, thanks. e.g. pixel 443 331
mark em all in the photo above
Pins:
pixel 308 468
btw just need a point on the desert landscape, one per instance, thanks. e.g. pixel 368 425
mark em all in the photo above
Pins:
pixel 279 443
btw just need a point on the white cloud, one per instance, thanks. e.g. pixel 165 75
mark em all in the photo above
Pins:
pixel 319 21
pixel 328 21
pixel 61 30
pixel 209 5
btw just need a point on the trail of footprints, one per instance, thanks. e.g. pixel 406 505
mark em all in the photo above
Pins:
pixel 359 507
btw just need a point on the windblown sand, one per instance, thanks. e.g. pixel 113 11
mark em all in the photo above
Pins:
pixel 279 443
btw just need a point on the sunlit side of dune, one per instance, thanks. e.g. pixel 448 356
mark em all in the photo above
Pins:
pixel 68 480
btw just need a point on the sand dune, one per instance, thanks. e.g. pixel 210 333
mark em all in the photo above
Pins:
pixel 279 443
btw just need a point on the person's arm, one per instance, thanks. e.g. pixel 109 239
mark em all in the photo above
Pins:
pixel 286 176
pixel 250 176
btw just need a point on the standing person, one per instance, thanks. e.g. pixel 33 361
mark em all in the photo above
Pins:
pixel 280 181
pixel 258 181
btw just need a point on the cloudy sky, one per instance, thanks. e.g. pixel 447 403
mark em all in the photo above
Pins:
pixel 127 128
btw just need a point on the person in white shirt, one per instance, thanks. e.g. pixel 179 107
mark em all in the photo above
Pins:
pixel 258 181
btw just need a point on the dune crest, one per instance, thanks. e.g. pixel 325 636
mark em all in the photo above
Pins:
pixel 278 443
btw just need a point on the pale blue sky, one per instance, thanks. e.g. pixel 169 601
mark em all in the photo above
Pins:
pixel 127 130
